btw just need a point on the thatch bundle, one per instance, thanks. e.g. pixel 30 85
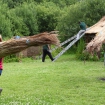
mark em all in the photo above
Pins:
pixel 16 45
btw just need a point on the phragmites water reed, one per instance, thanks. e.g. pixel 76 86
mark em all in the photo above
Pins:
pixel 13 46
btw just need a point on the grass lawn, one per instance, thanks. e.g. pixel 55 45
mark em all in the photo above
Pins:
pixel 64 82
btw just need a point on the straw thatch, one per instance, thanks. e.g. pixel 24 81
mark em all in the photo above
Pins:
pixel 13 46
pixel 96 44
pixel 96 28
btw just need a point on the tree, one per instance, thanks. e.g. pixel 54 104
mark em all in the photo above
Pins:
pixel 47 15
pixel 29 15
pixel 89 11
pixel 5 24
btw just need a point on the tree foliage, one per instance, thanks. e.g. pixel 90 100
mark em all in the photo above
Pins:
pixel 47 15
pixel 28 14
pixel 28 17
pixel 5 24
pixel 89 11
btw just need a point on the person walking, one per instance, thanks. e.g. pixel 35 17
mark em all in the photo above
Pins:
pixel 46 51
pixel 83 27
pixel 1 64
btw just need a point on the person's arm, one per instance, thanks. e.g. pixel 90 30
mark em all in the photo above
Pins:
pixel 49 47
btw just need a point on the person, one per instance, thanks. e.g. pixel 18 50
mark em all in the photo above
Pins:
pixel 19 54
pixel 83 27
pixel 17 37
pixel 1 68
pixel 46 51
pixel 1 63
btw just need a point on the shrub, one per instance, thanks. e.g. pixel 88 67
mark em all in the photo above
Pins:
pixel 11 58
pixel 80 47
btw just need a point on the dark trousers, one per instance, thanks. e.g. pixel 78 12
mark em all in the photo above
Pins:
pixel 46 52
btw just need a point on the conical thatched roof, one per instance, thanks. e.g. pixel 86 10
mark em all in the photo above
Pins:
pixel 98 29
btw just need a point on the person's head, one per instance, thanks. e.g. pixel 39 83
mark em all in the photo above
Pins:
pixel 79 22
pixel 0 38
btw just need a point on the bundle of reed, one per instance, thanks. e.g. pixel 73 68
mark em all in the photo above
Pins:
pixel 13 46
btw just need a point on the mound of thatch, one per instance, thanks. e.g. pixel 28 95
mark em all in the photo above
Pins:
pixel 16 45
pixel 96 44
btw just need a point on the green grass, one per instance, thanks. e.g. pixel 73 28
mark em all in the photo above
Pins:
pixel 64 82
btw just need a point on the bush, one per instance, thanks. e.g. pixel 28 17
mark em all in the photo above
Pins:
pixel 28 13
pixel 11 58
pixel 80 47
pixel 47 16
pixel 80 11
pixel 82 54
pixel 93 57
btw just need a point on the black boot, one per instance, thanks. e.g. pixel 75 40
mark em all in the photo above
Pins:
pixel 0 91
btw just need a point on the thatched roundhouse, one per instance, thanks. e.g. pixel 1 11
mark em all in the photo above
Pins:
pixel 33 52
pixel 97 33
